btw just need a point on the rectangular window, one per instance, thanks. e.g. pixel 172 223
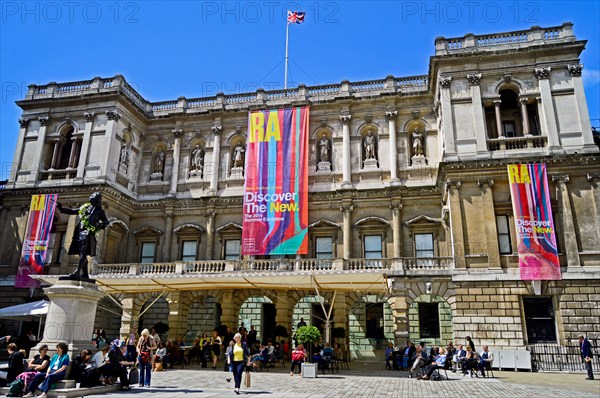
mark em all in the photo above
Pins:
pixel 374 321
pixel 148 252
pixel 509 129
pixel 504 242
pixel 324 247
pixel 424 245
pixel 189 248
pixel 373 249
pixel 429 320
pixel 539 319
pixel 232 249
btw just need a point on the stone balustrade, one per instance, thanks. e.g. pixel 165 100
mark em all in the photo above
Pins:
pixel 517 143
pixel 394 265
pixel 535 36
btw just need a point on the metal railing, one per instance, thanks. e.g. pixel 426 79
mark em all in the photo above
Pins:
pixel 553 356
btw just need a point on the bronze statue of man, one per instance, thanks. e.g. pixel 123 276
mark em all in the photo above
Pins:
pixel 92 220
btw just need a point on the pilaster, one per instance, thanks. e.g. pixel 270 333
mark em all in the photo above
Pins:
pixel 489 223
pixel 566 213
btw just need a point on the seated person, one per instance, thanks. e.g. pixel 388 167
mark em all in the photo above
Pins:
pixel 440 361
pixel 117 366
pixel 409 354
pixel 173 354
pixel 420 361
pixel 93 371
pixel 458 356
pixel 56 371
pixel 196 350
pixel 79 364
pixel 485 361
pixel 469 362
pixel 261 357
pixel 389 356
pixel 15 364
pixel 278 353
pixel 161 356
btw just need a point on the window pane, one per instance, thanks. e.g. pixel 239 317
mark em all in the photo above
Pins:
pixel 232 249
pixel 539 319
pixel 148 249
pixel 374 321
pixel 424 245
pixel 429 320
pixel 373 246
pixel 189 250
pixel 324 247
pixel 504 242
pixel 502 222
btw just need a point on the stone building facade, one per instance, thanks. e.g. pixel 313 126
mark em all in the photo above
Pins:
pixel 408 179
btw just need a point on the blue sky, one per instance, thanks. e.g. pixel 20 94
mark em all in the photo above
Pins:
pixel 170 49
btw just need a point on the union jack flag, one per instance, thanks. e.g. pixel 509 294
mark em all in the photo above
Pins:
pixel 295 17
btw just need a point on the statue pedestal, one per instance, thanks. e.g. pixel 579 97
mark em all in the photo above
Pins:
pixel 237 172
pixel 71 316
pixel 419 161
pixel 196 174
pixel 323 166
pixel 156 176
pixel 370 164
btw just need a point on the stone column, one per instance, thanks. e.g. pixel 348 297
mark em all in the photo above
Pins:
pixel 284 310
pixel 340 316
pixel 85 144
pixel 456 223
pixel 346 210
pixel 130 315
pixel 71 315
pixel 18 157
pixel 525 116
pixel 176 321
pixel 391 117
pixel 214 178
pixel 478 115
pixel 566 215
pixel 210 234
pixel 497 104
pixel 582 108
pixel 56 144
pixel 549 116
pixel 228 312
pixel 489 222
pixel 73 153
pixel 112 152
pixel 399 307
pixel 178 133
pixel 447 119
pixel 346 155
pixel 41 143
pixel 396 207
pixel 166 252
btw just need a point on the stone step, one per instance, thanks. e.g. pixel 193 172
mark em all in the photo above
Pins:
pixel 71 392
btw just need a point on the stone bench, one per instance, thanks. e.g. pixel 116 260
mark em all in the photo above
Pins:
pixel 70 392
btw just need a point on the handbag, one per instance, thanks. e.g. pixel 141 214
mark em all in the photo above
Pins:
pixel 134 376
pixel 247 379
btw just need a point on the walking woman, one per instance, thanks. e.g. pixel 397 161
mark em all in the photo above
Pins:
pixel 215 348
pixel 240 354
pixel 145 348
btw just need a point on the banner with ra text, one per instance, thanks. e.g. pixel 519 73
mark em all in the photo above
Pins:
pixel 536 239
pixel 35 242
pixel 275 214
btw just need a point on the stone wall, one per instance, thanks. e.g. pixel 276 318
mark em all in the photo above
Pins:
pixel 361 346
pixel 445 317
pixel 159 312
pixel 108 317
pixel 202 316
pixel 251 314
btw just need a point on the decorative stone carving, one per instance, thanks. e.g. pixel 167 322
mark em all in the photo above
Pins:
pixel 345 119
pixel 417 146
pixel 113 115
pixel 124 158
pixel 391 115
pixel 158 166
pixel 324 149
pixel 454 183
pixel 43 120
pixel 369 144
pixel 369 117
pixel 197 162
pixel 217 129
pixel 89 116
pixel 575 69
pixel 474 79
pixel 416 114
pixel 346 208
pixel 23 122
pixel 507 77
pixel 590 177
pixel 485 181
pixel 542 73
pixel 239 155
pixel 445 81
pixel 178 133
pixel 561 179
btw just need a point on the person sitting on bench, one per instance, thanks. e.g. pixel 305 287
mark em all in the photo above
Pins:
pixel 440 361
pixel 56 371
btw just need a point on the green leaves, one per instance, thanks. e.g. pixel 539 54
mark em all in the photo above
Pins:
pixel 308 334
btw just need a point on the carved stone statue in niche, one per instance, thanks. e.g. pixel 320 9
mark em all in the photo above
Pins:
pixel 124 158
pixel 159 162
pixel 369 144
pixel 324 149
pixel 239 155
pixel 197 160
pixel 417 146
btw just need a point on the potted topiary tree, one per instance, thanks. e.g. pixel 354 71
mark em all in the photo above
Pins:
pixel 307 335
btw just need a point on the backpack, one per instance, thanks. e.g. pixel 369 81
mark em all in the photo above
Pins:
pixel 16 388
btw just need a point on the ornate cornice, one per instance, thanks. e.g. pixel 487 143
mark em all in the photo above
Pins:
pixel 575 69
pixel 474 79
pixel 542 73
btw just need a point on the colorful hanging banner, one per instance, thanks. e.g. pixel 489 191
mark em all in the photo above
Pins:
pixel 275 216
pixel 35 242
pixel 536 241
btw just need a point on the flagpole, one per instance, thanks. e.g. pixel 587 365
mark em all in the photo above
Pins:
pixel 287 35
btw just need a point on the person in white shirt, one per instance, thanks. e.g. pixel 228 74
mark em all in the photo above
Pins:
pixel 485 361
